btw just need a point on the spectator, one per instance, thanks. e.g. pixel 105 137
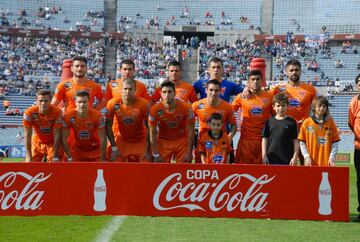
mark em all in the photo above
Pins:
pixel 338 63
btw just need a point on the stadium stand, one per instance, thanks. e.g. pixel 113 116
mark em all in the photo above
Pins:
pixel 156 14
pixel 309 17
pixel 56 15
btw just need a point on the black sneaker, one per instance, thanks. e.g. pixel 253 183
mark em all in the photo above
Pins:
pixel 357 219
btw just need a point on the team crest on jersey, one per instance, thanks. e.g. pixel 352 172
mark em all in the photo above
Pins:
pixel 45 130
pixel 135 111
pixel 264 101
pixel 160 113
pixel 89 124
pixel 203 84
pixel 182 92
pixel 84 134
pixel 35 116
pixel 67 84
pixel 179 117
pixel 321 140
pixel 256 111
pixel 217 158
pixel 201 106
pixel 301 93
pixel 294 103
pixel 171 124
pixel 114 84
pixel 128 120
pixel 223 89
pixel 208 145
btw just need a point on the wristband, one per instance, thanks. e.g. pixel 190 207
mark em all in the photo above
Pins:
pixel 114 148
pixel 55 158
pixel 156 155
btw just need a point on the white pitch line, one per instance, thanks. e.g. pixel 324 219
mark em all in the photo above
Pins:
pixel 110 229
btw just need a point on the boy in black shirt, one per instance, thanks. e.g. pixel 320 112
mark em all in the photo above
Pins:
pixel 279 143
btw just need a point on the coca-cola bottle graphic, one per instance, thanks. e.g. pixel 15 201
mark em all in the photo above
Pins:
pixel 100 192
pixel 325 195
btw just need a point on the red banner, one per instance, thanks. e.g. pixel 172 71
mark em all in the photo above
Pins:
pixel 244 191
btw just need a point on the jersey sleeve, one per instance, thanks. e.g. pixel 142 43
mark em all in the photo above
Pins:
pixel 60 91
pixel 236 104
pixel 156 95
pixel 190 116
pixel 201 148
pixel 27 123
pixel 335 134
pixel 99 120
pixel 351 112
pixel 58 119
pixel 109 113
pixel 294 129
pixel 231 117
pixel 302 132
pixel 66 121
pixel 143 91
pixel 192 96
pixel 152 120
pixel 108 92
pixel 98 92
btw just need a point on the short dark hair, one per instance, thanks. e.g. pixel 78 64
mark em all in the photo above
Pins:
pixel 216 60
pixel 174 63
pixel 216 116
pixel 214 82
pixel 127 62
pixel 43 92
pixel 129 80
pixel 357 79
pixel 255 73
pixel 82 93
pixel 168 84
pixel 280 98
pixel 320 100
pixel 80 58
pixel 293 62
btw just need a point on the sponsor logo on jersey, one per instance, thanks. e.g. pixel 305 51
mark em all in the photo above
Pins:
pixel 256 111
pixel 128 120
pixel 264 101
pixel 217 158
pixel 294 103
pixel 321 140
pixel 171 124
pixel 45 130
pixel 114 84
pixel 208 144
pixel 84 134
pixel 223 90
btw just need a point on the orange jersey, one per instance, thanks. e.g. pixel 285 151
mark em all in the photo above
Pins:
pixel 113 90
pixel 300 98
pixel 354 119
pixel 216 150
pixel 203 111
pixel 255 111
pixel 130 119
pixel 85 129
pixel 319 139
pixel 184 91
pixel 43 124
pixel 66 91
pixel 172 125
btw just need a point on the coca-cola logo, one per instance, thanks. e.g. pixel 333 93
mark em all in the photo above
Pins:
pixel 236 191
pixel 28 197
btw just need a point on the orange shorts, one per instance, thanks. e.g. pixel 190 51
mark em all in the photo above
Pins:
pixel 248 151
pixel 130 151
pixel 40 150
pixel 169 148
pixel 85 155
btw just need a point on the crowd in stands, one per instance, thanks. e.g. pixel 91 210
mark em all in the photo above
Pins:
pixel 236 57
pixel 150 58
pixel 21 56
pixel 43 16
